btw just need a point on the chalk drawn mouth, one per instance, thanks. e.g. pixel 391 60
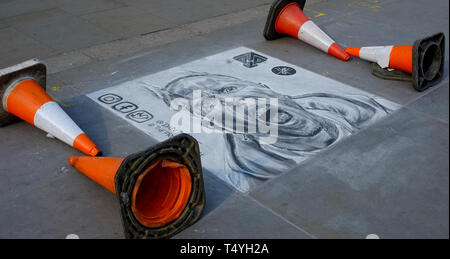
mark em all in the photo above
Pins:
pixel 313 112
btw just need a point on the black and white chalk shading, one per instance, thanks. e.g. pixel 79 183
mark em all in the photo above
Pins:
pixel 313 113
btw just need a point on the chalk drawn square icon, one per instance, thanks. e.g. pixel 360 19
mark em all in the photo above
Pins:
pixel 125 107
pixel 140 116
pixel 250 59
pixel 110 98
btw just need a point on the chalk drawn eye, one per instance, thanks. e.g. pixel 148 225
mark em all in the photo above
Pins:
pixel 284 117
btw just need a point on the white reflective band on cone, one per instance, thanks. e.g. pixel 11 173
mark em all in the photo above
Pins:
pixel 312 34
pixel 51 118
pixel 380 55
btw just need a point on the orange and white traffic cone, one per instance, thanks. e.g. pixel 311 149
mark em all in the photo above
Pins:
pixel 397 57
pixel 160 190
pixel 424 60
pixel 287 17
pixel 23 95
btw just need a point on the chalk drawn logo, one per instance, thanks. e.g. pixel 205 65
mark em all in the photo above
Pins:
pixel 283 71
pixel 140 116
pixel 110 98
pixel 250 59
pixel 125 107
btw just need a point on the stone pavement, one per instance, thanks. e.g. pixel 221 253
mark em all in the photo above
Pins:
pixel 390 179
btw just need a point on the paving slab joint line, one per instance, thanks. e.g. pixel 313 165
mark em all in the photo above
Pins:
pixel 432 89
pixel 239 11
pixel 327 149
pixel 427 115
pixel 144 40
pixel 281 217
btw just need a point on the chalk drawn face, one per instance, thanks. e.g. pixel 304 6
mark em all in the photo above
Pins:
pixel 306 124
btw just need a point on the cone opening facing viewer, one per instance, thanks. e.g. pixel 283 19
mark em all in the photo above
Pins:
pixel 424 60
pixel 286 17
pixel 160 190
pixel 22 92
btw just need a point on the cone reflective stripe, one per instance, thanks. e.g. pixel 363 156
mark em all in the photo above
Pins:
pixel 424 60
pixel 22 96
pixel 160 190
pixel 398 57
pixel 28 101
pixel 287 17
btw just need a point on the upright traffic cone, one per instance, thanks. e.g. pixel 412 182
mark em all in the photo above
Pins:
pixel 160 190
pixel 22 89
pixel 424 60
pixel 287 17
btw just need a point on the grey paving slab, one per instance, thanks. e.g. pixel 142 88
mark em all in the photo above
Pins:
pixel 80 7
pixel 29 148
pixel 175 11
pixel 60 30
pixel 233 5
pixel 216 192
pixel 10 8
pixel 3 25
pixel 139 43
pixel 227 20
pixel 241 217
pixel 128 21
pixel 390 179
pixel 17 47
pixel 63 32
pixel 66 61
pixel 136 44
pixel 71 204
pixel 435 103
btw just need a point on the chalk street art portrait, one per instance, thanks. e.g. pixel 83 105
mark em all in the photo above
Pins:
pixel 307 123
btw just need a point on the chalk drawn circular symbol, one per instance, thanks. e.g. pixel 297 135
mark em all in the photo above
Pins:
pixel 110 98
pixel 283 71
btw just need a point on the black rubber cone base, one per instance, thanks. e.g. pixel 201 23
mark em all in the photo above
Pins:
pixel 269 30
pixel 182 149
pixel 388 74
pixel 428 61
pixel 32 69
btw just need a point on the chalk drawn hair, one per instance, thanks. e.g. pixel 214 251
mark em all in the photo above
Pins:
pixel 307 124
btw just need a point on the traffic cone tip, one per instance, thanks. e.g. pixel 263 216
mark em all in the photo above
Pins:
pixel 338 52
pixel 353 51
pixel 72 160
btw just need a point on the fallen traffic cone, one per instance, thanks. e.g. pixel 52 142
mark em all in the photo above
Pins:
pixel 160 190
pixel 424 60
pixel 22 89
pixel 287 17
